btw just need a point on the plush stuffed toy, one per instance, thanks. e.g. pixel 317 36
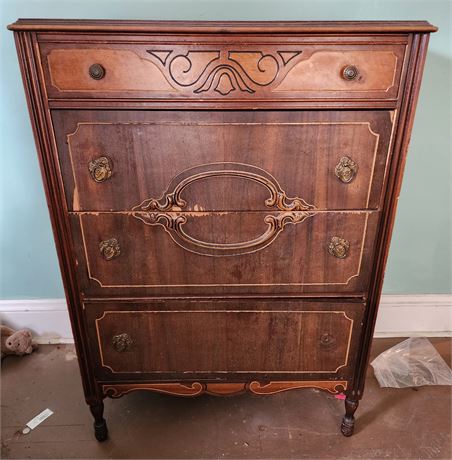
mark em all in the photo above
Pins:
pixel 16 342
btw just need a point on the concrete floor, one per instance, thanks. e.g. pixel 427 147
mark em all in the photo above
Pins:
pixel 391 423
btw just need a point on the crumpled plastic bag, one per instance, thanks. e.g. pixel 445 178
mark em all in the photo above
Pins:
pixel 411 363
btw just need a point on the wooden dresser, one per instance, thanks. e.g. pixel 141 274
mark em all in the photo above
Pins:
pixel 222 196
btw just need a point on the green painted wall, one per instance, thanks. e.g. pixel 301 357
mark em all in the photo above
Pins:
pixel 420 259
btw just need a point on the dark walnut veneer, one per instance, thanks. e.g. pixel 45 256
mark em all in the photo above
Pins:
pixel 222 196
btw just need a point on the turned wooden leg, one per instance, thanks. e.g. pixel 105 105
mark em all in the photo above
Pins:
pixel 100 425
pixel 348 422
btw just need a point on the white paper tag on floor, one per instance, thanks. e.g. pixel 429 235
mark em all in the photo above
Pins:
pixel 34 422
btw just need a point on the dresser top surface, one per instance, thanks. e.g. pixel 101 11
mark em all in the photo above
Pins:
pixel 254 27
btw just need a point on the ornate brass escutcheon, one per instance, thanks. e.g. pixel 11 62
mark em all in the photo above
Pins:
pixel 110 248
pixel 100 169
pixel 350 72
pixel 121 342
pixel 346 170
pixel 338 247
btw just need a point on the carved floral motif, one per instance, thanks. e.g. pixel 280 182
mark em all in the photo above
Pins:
pixel 223 71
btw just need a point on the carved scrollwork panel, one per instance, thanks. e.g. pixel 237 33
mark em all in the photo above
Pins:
pixel 169 210
pixel 174 223
pixel 221 72
pixel 172 199
pixel 224 389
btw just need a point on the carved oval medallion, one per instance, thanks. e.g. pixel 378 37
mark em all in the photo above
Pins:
pixel 170 211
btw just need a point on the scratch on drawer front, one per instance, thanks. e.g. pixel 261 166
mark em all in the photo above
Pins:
pixel 75 200
pixel 200 213
pixel 392 114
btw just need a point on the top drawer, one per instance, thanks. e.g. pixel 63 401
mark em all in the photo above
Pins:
pixel 223 71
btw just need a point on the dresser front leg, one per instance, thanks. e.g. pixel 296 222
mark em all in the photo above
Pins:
pixel 348 422
pixel 100 425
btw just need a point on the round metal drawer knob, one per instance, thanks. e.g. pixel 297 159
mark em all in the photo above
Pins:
pixel 96 71
pixel 350 72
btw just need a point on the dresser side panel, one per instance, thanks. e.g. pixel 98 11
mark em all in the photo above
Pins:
pixel 403 134
pixel 27 49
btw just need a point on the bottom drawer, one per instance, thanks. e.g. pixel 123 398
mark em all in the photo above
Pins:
pixel 214 339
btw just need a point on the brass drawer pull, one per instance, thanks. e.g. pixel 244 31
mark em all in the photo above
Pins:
pixel 96 72
pixel 100 169
pixel 121 342
pixel 346 170
pixel 110 248
pixel 338 247
pixel 350 72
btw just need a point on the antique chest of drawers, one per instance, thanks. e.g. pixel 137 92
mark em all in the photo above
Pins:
pixel 222 196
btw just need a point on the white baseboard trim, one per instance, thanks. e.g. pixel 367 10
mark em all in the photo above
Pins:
pixel 48 319
pixel 427 315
